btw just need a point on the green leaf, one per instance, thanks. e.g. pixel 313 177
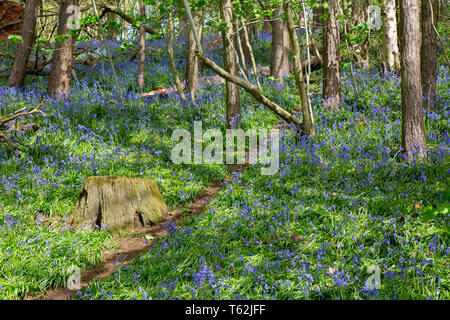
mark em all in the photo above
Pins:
pixel 431 212
pixel 74 32
pixel 15 38
pixel 61 37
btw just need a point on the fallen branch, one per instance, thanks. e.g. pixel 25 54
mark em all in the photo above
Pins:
pixel 247 86
pixel 10 24
pixel 6 127
pixel 124 16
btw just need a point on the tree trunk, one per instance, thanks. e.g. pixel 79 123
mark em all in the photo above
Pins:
pixel 243 28
pixel 229 56
pixel 306 108
pixel 317 12
pixel 279 55
pixel 332 59
pixel 246 85
pixel 390 51
pixel 173 66
pixel 359 11
pixel 252 57
pixel 183 26
pixel 429 51
pixel 191 73
pixel 239 46
pixel 141 71
pixel 61 69
pixel 111 19
pixel 413 131
pixel 19 68
pixel 126 7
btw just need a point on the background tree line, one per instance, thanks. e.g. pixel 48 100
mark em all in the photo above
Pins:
pixel 407 41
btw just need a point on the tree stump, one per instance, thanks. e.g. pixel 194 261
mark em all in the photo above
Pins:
pixel 122 204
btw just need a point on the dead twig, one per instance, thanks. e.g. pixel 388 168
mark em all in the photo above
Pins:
pixel 5 127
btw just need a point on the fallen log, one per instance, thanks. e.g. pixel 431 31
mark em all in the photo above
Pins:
pixel 247 86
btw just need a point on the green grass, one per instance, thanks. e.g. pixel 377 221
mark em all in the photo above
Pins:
pixel 338 205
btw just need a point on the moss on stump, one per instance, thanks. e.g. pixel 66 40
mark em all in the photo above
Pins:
pixel 123 204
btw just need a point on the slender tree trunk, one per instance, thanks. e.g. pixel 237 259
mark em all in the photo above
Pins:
pixel 252 57
pixel 61 69
pixel 301 21
pixel 246 85
pixel 308 52
pixel 429 51
pixel 279 55
pixel 183 26
pixel 126 7
pixel 244 28
pixel 413 129
pixel 232 90
pixel 331 58
pixel 141 71
pixel 173 66
pixel 317 12
pixel 358 13
pixel 19 68
pixel 239 45
pixel 191 74
pixel 306 108
pixel 390 51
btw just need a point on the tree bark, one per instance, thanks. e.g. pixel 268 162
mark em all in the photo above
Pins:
pixel 317 12
pixel 141 71
pixel 173 67
pixel 332 59
pixel 238 44
pixel 247 86
pixel 123 204
pixel 252 57
pixel 114 9
pixel 191 74
pixel 359 11
pixel 229 56
pixel 279 55
pixel 111 18
pixel 19 68
pixel 413 129
pixel 391 52
pixel 126 7
pixel 429 51
pixel 306 108
pixel 183 26
pixel 61 69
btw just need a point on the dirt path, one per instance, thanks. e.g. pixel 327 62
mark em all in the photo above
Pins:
pixel 131 247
